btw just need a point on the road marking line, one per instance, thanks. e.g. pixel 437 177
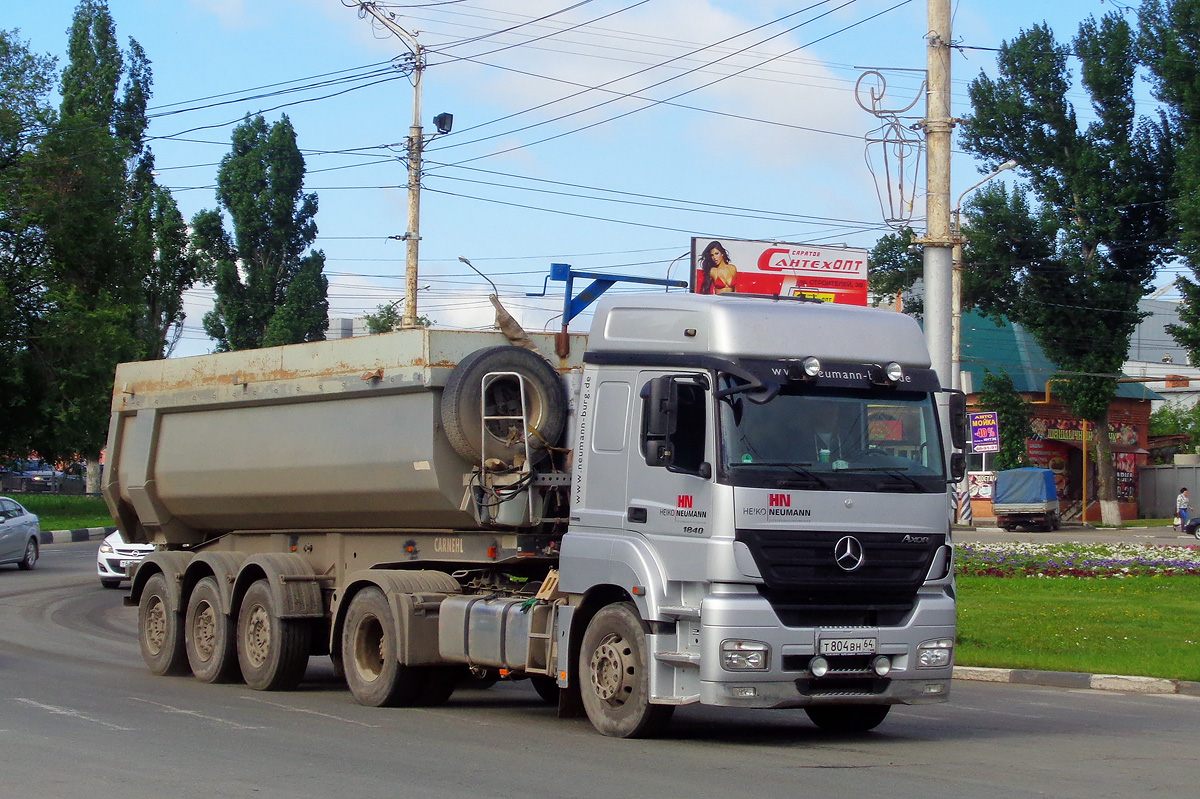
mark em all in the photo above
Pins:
pixel 170 709
pixel 75 714
pixel 311 712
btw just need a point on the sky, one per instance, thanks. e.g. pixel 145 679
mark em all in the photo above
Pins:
pixel 604 133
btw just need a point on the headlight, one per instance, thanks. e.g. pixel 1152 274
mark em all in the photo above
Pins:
pixel 105 547
pixel 935 654
pixel 745 656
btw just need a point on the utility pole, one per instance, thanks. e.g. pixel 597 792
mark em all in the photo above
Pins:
pixel 939 240
pixel 415 145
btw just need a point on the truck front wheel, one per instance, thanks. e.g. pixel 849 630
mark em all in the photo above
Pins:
pixel 272 652
pixel 210 635
pixel 614 670
pixel 374 673
pixel 160 630
pixel 847 719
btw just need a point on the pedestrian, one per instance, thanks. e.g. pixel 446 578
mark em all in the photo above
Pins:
pixel 1182 506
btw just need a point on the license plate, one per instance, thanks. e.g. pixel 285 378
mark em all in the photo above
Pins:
pixel 122 564
pixel 848 646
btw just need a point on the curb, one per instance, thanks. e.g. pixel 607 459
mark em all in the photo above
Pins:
pixel 1068 679
pixel 73 536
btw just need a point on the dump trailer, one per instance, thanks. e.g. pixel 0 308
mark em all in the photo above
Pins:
pixel 729 500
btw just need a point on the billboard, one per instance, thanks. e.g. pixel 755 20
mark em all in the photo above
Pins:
pixel 831 274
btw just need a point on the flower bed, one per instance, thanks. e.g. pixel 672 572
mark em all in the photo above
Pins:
pixel 1076 560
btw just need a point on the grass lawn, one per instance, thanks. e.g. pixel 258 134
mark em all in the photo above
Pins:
pixel 59 512
pixel 1144 626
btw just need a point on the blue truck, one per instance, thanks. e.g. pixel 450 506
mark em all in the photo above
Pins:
pixel 1026 498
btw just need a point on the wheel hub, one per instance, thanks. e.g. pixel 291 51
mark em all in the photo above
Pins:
pixel 612 670
pixel 204 632
pixel 156 625
pixel 258 636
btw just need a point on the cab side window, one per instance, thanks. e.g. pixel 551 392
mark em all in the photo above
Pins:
pixel 688 436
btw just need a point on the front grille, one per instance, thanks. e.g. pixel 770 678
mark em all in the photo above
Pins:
pixel 805 585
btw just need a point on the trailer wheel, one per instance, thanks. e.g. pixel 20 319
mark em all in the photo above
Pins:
pixel 614 668
pixel 847 719
pixel 272 652
pixel 160 629
pixel 209 635
pixel 545 401
pixel 375 675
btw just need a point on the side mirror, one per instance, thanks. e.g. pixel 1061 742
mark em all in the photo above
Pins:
pixel 958 419
pixel 958 467
pixel 661 397
pixel 662 416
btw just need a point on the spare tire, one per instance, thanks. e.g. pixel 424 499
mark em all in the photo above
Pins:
pixel 545 404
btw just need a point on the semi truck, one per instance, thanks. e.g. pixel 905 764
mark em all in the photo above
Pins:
pixel 730 500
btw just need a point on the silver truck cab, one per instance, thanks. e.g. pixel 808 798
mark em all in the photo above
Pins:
pixel 766 479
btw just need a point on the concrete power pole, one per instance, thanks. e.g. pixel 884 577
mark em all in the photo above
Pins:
pixel 415 145
pixel 939 240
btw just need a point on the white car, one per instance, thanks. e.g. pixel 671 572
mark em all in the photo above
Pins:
pixel 114 555
pixel 19 534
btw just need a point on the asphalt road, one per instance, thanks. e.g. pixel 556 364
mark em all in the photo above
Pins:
pixel 81 717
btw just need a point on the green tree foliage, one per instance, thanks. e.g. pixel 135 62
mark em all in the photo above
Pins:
pixel 1071 252
pixel 896 264
pixel 1014 416
pixel 25 83
pixel 1170 50
pixel 90 280
pixel 388 318
pixel 268 290
pixel 160 242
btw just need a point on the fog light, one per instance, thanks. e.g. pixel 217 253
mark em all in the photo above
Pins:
pixel 745 655
pixel 935 654
pixel 744 691
pixel 882 665
pixel 934 688
pixel 812 366
pixel 818 666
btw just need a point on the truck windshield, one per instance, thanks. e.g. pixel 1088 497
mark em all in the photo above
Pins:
pixel 849 439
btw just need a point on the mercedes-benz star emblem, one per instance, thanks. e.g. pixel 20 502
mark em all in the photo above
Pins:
pixel 848 553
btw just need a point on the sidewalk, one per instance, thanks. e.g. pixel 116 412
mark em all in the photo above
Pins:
pixel 74 536
pixel 1067 679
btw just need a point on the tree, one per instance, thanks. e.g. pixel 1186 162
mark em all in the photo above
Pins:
pixel 1014 416
pixel 170 265
pixel 26 80
pixel 1170 50
pixel 268 291
pixel 896 264
pixel 90 283
pixel 388 318
pixel 1073 251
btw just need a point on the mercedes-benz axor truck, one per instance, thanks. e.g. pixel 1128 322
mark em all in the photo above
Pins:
pixel 729 500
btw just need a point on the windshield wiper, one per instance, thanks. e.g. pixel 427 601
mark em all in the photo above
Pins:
pixel 811 478
pixel 895 471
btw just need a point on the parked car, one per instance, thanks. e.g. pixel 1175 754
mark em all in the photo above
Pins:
pixel 19 534
pixel 115 555
pixel 46 480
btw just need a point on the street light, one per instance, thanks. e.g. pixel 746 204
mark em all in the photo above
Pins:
pixel 956 280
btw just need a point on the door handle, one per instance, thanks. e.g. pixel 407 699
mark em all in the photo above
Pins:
pixel 636 515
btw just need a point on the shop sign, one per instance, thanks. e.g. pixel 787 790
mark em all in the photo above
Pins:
pixel 985 431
